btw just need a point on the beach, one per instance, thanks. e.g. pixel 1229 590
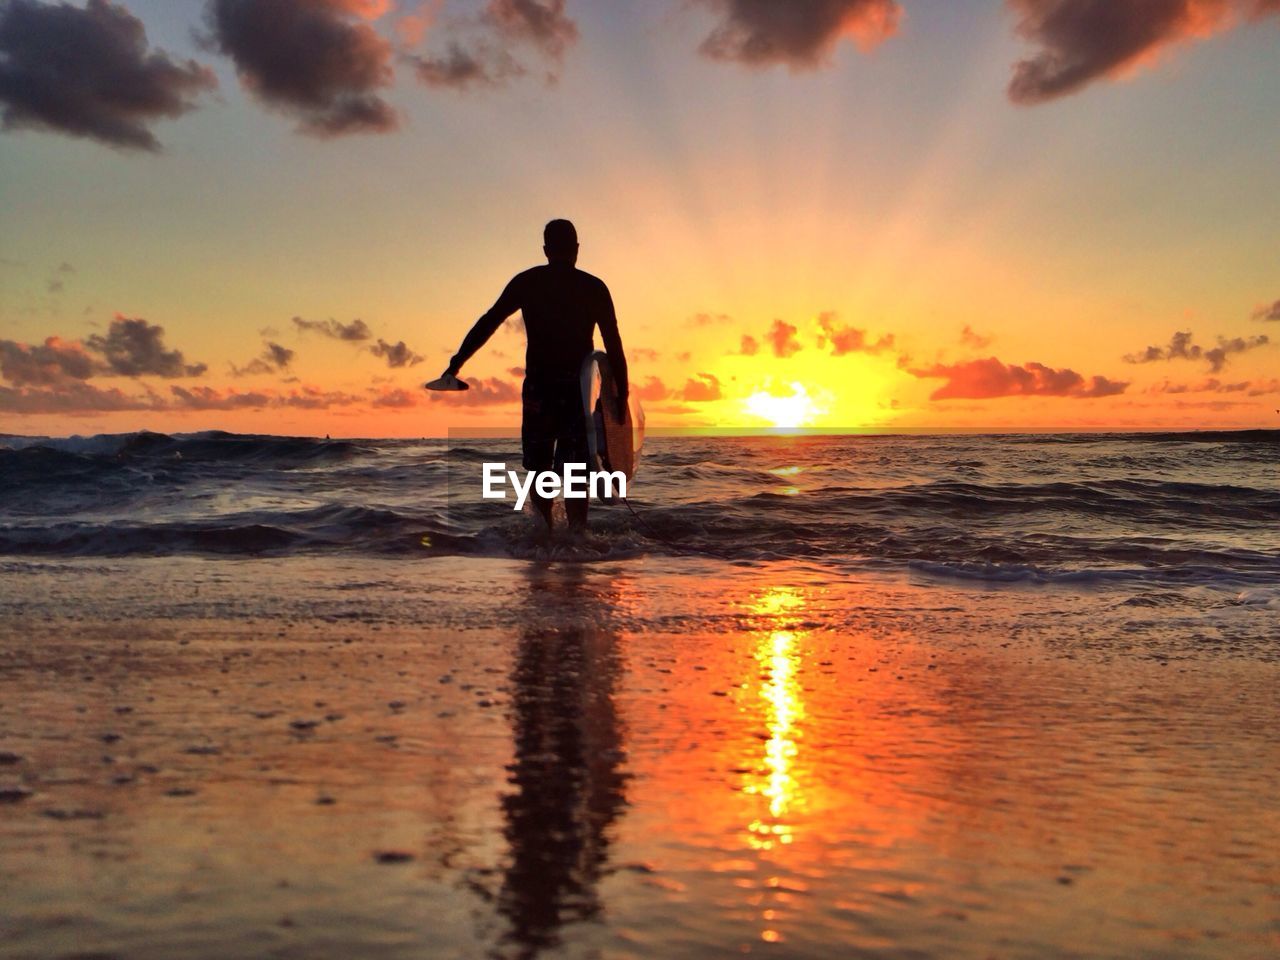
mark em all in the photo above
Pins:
pixel 461 757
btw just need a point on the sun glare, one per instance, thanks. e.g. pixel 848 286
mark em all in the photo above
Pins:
pixel 796 409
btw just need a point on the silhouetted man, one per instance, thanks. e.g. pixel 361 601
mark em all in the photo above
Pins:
pixel 562 306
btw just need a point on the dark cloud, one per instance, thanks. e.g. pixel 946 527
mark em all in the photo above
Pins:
pixel 540 23
pixel 354 331
pixel 974 340
pixel 749 346
pixel 397 399
pixel 800 34
pixel 273 359
pixel 1272 312
pixel 1252 388
pixel 846 339
pixel 1081 41
pixel 990 378
pixel 55 361
pixel 703 389
pixel 135 348
pixel 317 60
pixel 313 398
pixel 643 353
pixel 483 57
pixel 782 339
pixel 87 72
pixel 483 393
pixel 396 354
pixel 207 398
pixel 1182 346
pixel 74 397
pixel 460 68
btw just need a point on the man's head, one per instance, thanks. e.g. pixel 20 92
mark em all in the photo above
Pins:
pixel 560 242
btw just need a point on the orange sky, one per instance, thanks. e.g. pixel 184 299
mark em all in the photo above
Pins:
pixel 909 218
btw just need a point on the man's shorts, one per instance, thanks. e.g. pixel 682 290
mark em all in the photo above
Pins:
pixel 554 429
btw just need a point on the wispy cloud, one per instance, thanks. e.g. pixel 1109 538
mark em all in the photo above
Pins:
pixel 355 331
pixel 1272 312
pixel 396 354
pixel 481 51
pixel 1182 346
pixel 973 340
pixel 273 359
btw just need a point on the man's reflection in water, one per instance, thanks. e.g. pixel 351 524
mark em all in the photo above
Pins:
pixel 567 783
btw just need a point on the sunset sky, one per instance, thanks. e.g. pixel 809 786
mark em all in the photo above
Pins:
pixel 282 216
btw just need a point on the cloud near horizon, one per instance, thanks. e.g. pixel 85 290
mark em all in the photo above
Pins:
pixel 797 34
pixel 653 389
pixel 845 339
pixel 1081 41
pixel 704 388
pixel 492 392
pixel 132 347
pixel 1181 346
pixel 781 338
pixel 1251 388
pixel 56 361
pixel 990 379
pixel 318 61
pixel 80 398
pixel 89 72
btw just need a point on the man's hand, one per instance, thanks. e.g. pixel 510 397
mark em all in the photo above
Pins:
pixel 448 382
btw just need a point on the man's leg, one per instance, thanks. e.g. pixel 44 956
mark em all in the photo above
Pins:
pixel 571 447
pixel 576 511
pixel 537 437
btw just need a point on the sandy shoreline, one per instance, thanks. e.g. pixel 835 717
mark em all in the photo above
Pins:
pixel 624 761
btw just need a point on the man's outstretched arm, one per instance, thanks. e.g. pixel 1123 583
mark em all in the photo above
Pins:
pixel 485 327
pixel 613 347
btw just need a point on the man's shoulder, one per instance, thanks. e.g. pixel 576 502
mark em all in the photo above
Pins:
pixel 591 280
pixel 526 275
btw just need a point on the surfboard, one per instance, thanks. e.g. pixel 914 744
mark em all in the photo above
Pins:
pixel 612 444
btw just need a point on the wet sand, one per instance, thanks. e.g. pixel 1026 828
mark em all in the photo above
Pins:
pixel 477 758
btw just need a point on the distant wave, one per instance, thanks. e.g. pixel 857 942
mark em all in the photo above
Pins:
pixel 1019 508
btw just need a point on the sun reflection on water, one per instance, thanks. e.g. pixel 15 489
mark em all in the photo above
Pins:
pixel 773 777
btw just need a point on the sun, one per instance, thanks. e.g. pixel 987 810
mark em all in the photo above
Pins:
pixel 788 411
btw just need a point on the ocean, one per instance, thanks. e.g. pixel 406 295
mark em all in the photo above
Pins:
pixel 871 696
pixel 1160 510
